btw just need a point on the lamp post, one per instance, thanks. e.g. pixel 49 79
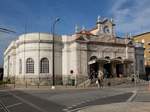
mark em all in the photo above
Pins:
pixel 53 54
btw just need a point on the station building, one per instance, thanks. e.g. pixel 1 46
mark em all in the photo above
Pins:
pixel 77 57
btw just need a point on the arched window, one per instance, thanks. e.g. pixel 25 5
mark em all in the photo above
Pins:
pixel 29 65
pixel 119 57
pixel 44 65
pixel 20 66
pixel 93 58
pixel 107 57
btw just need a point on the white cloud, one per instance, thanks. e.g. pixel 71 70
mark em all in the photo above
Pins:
pixel 131 16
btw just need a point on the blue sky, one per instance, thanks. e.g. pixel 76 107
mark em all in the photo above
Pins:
pixel 130 16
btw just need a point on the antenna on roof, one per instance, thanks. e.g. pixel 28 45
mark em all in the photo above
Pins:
pixel 77 28
pixel 112 20
pixel 99 19
pixel 130 35
pixel 25 28
pixel 83 27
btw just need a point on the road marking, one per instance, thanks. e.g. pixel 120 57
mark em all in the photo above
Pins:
pixel 4 95
pixel 27 102
pixel 2 90
pixel 88 100
pixel 3 107
pixel 65 109
pixel 132 97
pixel 73 110
pixel 69 107
pixel 83 102
pixel 79 103
pixel 13 105
pixel 74 105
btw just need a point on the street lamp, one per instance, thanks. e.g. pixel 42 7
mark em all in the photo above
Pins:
pixel 53 47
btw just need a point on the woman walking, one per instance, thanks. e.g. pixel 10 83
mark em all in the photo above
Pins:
pixel 100 78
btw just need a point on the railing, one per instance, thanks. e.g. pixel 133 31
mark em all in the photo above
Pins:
pixel 85 83
pixel 81 82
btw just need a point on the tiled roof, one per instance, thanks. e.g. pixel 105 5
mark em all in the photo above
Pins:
pixel 85 32
pixel 141 34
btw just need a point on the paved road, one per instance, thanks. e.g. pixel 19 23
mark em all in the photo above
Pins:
pixel 17 101
pixel 138 102
pixel 101 101
pixel 73 97
pixel 58 100
pixel 143 96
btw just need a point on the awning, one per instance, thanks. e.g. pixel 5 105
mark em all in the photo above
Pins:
pixel 116 60
pixel 103 60
pixel 127 61
pixel 92 62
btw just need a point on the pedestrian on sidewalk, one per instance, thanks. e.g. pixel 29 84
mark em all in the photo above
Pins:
pixel 100 78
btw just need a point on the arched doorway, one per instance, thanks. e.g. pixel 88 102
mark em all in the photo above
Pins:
pixel 119 66
pixel 107 68
pixel 93 65
pixel 119 69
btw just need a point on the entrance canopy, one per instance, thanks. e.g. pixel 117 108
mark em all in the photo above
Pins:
pixel 128 61
pixel 117 60
pixel 103 60
pixel 114 60
pixel 92 61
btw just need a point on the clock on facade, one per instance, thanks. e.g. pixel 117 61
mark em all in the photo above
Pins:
pixel 106 29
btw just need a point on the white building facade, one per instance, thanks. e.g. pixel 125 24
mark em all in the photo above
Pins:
pixel 77 57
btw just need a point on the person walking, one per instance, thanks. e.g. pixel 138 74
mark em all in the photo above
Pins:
pixel 100 78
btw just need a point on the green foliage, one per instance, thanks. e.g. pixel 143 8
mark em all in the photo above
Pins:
pixel 1 82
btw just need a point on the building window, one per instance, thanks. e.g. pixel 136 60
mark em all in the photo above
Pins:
pixel 29 65
pixel 20 66
pixel 44 65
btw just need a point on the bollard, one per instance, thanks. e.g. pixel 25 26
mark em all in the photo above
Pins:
pixel 14 84
pixel 26 84
pixel 148 85
pixel 38 85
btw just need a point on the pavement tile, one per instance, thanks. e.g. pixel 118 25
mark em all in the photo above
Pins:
pixel 120 107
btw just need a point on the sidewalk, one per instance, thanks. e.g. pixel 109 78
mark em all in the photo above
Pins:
pixel 120 107
pixel 35 87
pixel 22 87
